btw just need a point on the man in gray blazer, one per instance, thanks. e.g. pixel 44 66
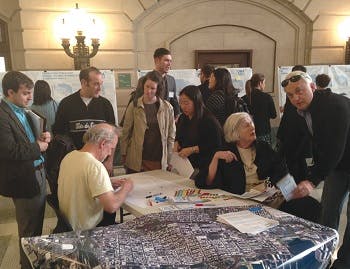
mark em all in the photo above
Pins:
pixel 162 63
pixel 22 173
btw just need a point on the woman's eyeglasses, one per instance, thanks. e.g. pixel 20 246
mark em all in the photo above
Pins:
pixel 293 79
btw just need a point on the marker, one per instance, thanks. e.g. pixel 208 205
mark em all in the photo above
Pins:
pixel 152 195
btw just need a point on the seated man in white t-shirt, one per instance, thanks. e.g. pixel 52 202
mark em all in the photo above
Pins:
pixel 84 186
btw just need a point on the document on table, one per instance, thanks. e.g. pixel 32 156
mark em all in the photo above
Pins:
pixel 247 222
pixel 181 166
pixel 258 195
pixel 287 185
pixel 149 186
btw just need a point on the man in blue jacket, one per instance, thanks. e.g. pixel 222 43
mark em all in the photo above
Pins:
pixel 22 173
pixel 327 117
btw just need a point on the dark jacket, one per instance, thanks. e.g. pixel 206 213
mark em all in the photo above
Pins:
pixel 330 113
pixel 222 105
pixel 231 176
pixel 74 118
pixel 205 91
pixel 294 142
pixel 262 108
pixel 17 155
pixel 205 132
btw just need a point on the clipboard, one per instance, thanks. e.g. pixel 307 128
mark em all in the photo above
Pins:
pixel 38 122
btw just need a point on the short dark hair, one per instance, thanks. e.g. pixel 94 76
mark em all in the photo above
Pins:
pixel 256 79
pixel 13 80
pixel 194 94
pixel 161 52
pixel 155 77
pixel 84 73
pixel 42 92
pixel 299 67
pixel 322 80
pixel 207 69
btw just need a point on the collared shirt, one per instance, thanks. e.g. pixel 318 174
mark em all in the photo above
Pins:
pixel 307 116
pixel 22 117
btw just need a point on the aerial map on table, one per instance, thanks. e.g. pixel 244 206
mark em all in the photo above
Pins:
pixel 188 239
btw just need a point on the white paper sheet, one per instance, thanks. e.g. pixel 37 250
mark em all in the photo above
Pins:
pixel 247 222
pixel 181 166
pixel 149 185
pixel 287 185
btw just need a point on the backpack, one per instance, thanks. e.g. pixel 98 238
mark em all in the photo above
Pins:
pixel 58 148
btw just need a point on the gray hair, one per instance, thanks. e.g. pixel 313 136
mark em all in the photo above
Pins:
pixel 100 132
pixel 232 124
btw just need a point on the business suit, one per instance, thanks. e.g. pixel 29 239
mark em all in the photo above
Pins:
pixel 19 179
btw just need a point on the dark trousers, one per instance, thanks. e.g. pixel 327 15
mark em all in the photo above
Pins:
pixel 335 190
pixel 30 215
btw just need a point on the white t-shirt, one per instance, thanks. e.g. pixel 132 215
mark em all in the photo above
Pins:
pixel 81 179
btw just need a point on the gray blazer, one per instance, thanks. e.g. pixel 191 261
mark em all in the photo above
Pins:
pixel 17 155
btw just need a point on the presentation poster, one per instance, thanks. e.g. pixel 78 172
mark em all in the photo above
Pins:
pixel 185 77
pixel 64 83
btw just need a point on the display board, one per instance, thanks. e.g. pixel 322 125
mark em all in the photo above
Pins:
pixel 185 77
pixel 339 74
pixel 64 83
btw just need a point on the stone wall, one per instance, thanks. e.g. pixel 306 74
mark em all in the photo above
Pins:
pixel 279 32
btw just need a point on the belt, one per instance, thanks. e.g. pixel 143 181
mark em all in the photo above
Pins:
pixel 39 167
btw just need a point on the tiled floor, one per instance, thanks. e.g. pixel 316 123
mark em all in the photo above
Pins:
pixel 9 253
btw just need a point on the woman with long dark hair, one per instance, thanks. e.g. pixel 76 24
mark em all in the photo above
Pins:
pixel 198 133
pixel 44 103
pixel 224 99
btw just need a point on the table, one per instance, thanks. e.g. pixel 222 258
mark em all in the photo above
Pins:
pixel 160 181
pixel 187 239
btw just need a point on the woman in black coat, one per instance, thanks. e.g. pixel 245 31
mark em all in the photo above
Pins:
pixel 198 134
pixel 245 163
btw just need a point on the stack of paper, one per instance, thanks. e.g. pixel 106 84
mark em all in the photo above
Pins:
pixel 258 195
pixel 247 222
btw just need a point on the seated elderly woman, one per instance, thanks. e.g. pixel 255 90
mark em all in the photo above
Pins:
pixel 245 163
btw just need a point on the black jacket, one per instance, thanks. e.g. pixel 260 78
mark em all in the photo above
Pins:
pixel 330 113
pixel 262 108
pixel 74 118
pixel 17 155
pixel 231 176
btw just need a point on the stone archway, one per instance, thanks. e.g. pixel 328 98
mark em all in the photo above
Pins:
pixel 169 23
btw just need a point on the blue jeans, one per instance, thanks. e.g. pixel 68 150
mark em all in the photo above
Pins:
pixel 336 188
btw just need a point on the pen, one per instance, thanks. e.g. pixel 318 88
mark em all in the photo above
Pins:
pixel 152 195
pixel 205 204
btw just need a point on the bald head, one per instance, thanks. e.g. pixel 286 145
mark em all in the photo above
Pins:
pixel 100 132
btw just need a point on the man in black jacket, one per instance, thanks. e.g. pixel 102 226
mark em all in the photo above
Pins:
pixel 327 117
pixel 262 108
pixel 22 174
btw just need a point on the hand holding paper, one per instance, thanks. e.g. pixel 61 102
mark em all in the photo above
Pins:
pixel 287 186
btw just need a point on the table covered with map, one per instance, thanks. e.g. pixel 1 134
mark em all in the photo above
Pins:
pixel 187 239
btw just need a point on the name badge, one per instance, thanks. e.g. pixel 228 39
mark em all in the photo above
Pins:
pixel 171 94
pixel 309 162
